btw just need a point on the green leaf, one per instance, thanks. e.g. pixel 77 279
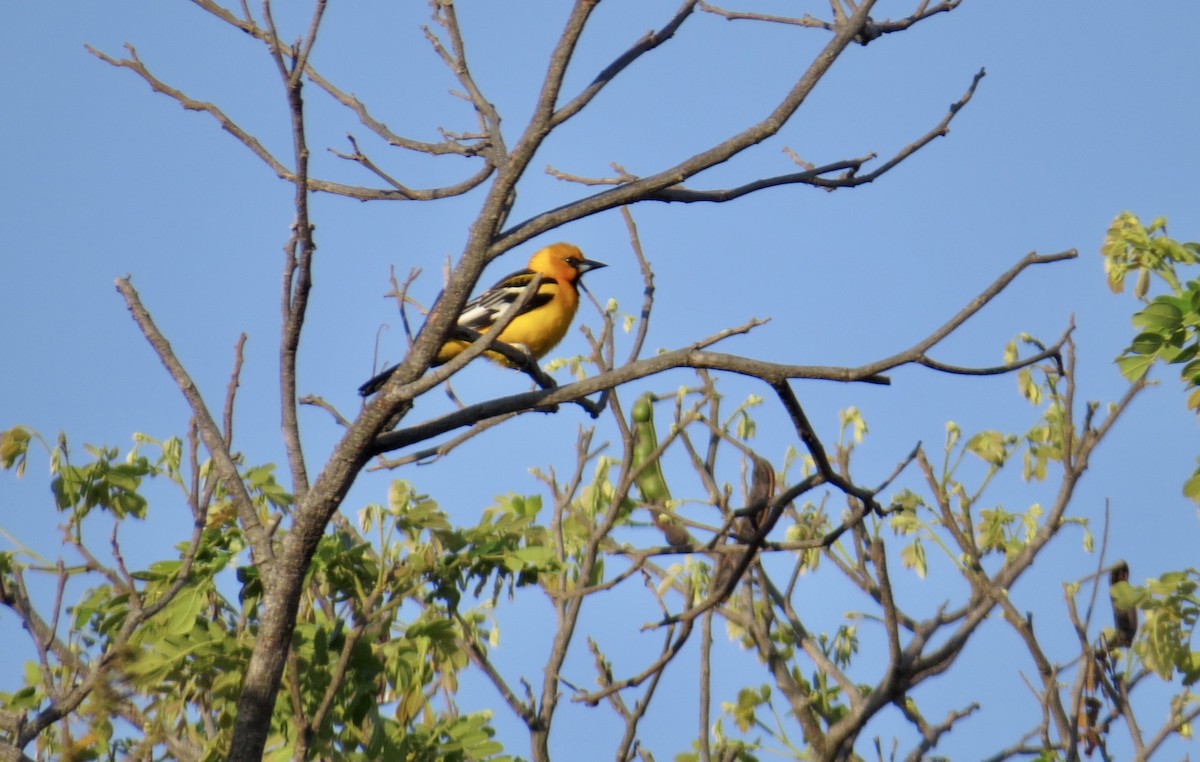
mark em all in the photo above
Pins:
pixel 993 529
pixel 990 446
pixel 1191 371
pixel 14 446
pixel 746 427
pixel 1147 343
pixel 1134 367
pixel 1160 316
pixel 1028 387
pixel 536 556
pixel 96 599
pixel 904 522
pixel 748 700
pixel 183 610
pixel 1010 352
pixel 907 500
pixel 913 557
pixel 1191 488
pixel 852 418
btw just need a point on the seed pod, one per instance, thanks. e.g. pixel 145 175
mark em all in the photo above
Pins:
pixel 762 489
pixel 1125 620
pixel 648 475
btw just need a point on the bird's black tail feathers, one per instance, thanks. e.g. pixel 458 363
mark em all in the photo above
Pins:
pixel 377 381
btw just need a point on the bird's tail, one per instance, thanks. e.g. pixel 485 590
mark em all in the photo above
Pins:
pixel 377 381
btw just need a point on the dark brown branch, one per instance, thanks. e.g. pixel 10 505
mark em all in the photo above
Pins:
pixel 522 360
pixel 803 638
pixel 890 617
pixel 1053 352
pixel 727 578
pixel 1048 672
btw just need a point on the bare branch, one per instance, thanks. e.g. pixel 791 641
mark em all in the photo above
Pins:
pixel 639 338
pixel 134 64
pixel 480 659
pixel 806 20
pixel 1048 696
pixel 1170 728
pixel 650 671
pixel 298 252
pixel 315 401
pixel 649 42
pixel 489 120
pixel 918 350
pixel 432 454
pixel 819 177
pixel 405 192
pixel 398 191
pixel 209 432
pixel 931 734
pixel 231 390
pixel 536 400
pixel 647 186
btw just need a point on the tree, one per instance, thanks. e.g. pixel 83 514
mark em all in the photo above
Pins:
pixel 338 637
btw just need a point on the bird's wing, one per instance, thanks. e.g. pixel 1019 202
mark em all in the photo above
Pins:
pixel 481 313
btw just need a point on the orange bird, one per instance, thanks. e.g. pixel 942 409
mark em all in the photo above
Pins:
pixel 537 328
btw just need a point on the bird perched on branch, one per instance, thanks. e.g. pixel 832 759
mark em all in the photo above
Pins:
pixel 537 328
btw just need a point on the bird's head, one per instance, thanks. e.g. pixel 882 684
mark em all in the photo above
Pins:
pixel 563 262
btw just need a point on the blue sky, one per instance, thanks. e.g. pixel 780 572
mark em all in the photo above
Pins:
pixel 1086 110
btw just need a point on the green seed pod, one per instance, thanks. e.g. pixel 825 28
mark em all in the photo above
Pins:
pixel 648 475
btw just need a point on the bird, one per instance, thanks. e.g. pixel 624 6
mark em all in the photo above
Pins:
pixel 537 328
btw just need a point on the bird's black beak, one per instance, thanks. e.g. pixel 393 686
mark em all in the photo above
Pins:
pixel 589 264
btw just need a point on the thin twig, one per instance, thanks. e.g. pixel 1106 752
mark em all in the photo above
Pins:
pixel 209 433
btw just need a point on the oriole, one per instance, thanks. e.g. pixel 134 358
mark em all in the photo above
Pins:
pixel 538 327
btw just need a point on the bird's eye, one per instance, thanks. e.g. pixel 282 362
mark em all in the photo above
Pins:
pixel 574 261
